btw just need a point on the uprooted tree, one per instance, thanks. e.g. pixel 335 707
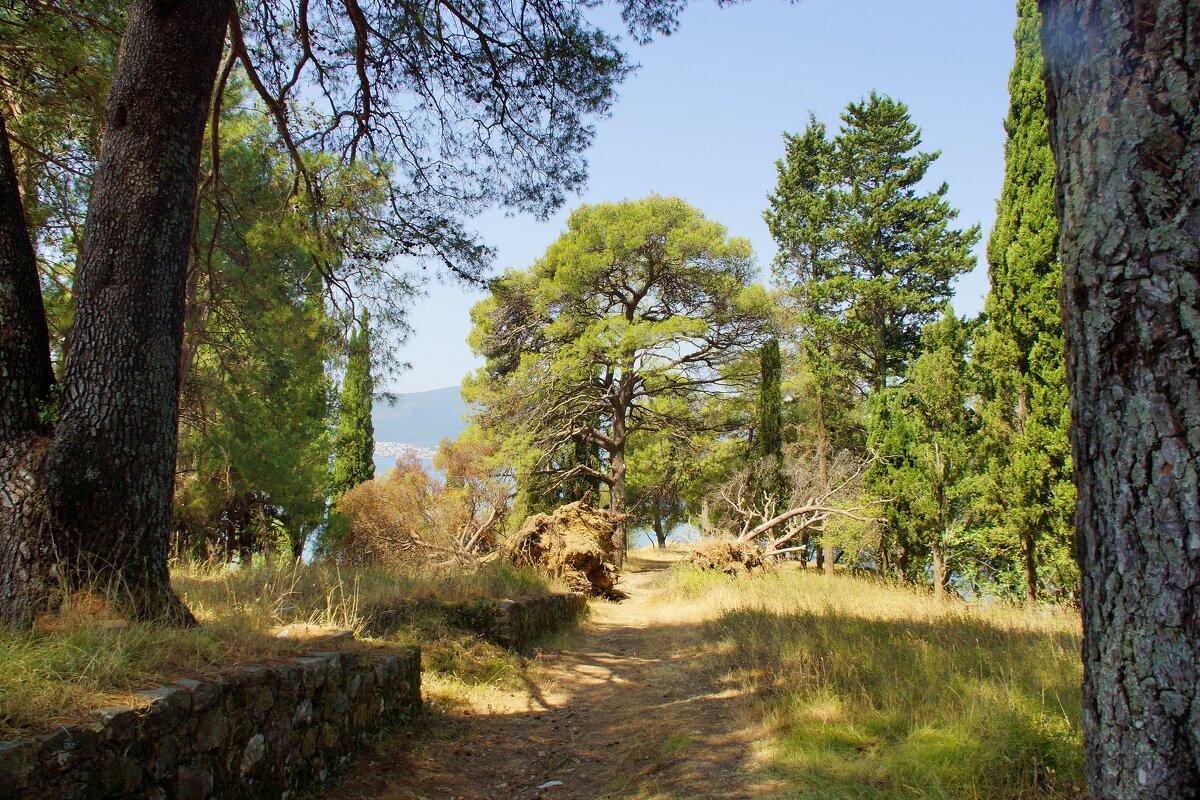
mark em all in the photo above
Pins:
pixel 576 543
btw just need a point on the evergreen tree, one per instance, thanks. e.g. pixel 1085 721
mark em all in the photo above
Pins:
pixel 865 258
pixel 256 340
pixel 1028 497
pixel 768 445
pixel 632 314
pixel 802 218
pixel 770 403
pixel 924 436
pixel 898 253
pixel 353 459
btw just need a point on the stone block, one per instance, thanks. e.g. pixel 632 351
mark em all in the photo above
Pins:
pixel 169 707
pixel 194 781
pixel 204 694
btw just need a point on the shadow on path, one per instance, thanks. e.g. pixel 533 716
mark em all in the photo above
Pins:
pixel 631 707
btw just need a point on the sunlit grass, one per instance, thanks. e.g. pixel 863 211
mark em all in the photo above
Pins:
pixel 874 691
pixel 85 656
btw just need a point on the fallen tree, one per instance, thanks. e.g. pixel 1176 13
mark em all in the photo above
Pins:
pixel 781 523
pixel 412 517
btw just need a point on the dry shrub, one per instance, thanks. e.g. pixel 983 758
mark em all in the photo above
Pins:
pixel 410 516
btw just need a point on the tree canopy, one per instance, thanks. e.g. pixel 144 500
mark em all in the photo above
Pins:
pixel 637 311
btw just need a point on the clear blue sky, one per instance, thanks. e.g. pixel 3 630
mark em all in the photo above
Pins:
pixel 703 116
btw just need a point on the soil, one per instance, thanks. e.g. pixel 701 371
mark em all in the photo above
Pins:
pixel 631 706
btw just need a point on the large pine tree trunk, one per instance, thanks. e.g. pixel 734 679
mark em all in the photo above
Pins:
pixel 103 483
pixel 620 433
pixel 26 549
pixel 1124 106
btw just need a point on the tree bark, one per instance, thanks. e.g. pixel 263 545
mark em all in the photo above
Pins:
pixel 1029 532
pixel 27 557
pixel 616 498
pixel 1029 545
pixel 939 570
pixel 826 558
pixel 1124 108
pixel 103 484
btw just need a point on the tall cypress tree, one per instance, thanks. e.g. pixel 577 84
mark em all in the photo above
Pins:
pixel 1028 497
pixel 770 403
pixel 353 459
pixel 803 219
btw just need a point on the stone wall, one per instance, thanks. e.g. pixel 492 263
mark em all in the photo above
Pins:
pixel 260 733
pixel 520 622
pixel 512 623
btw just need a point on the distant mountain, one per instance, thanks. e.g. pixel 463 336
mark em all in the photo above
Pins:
pixel 418 419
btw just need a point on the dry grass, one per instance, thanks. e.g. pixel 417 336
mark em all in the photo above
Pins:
pixel 86 657
pixel 874 691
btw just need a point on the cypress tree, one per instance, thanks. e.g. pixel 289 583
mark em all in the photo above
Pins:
pixel 770 403
pixel 1029 498
pixel 353 458
pixel 803 219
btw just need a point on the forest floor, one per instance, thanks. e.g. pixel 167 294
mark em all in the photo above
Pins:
pixel 631 705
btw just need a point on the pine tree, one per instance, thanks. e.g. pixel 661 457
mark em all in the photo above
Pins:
pixel 865 259
pixel 353 459
pixel 802 219
pixel 1028 499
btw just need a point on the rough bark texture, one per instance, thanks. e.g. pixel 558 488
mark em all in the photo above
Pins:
pixel 620 434
pixel 1124 110
pixel 26 551
pixel 104 482
pixel 25 372
pixel 616 502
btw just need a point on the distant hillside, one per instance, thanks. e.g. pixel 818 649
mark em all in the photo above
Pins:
pixel 421 419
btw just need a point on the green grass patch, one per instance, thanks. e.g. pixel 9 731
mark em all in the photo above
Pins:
pixel 676 742
pixel 874 691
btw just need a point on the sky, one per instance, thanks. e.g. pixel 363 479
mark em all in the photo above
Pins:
pixel 703 118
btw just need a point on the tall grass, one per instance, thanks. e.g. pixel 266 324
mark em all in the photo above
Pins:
pixel 326 594
pixel 86 656
pixel 874 691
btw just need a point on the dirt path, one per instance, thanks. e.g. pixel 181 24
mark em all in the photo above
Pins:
pixel 631 707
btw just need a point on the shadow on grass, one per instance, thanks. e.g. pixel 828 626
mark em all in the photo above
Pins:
pixel 957 707
pixel 857 703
